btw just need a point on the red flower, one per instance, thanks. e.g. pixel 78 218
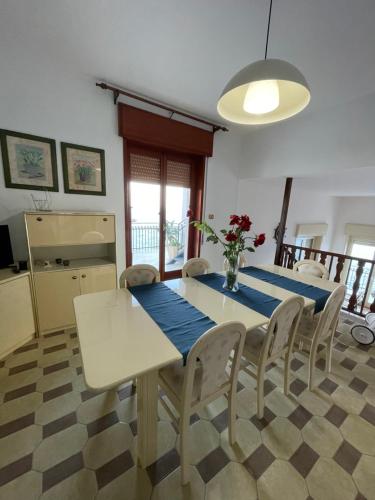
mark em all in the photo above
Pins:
pixel 259 240
pixel 234 219
pixel 231 236
pixel 245 223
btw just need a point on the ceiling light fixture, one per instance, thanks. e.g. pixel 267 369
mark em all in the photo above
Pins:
pixel 265 91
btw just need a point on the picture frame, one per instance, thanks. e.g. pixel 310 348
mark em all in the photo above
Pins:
pixel 29 161
pixel 83 169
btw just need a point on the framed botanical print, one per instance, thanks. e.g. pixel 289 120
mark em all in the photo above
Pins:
pixel 83 169
pixel 29 161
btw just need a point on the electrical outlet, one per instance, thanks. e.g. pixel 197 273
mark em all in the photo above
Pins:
pixel 211 216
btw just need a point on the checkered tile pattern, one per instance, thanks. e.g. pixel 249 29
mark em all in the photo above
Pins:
pixel 59 440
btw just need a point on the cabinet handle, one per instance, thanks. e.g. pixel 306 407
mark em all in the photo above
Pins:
pixel 74 277
pixel 83 275
pixel 105 219
pixel 39 219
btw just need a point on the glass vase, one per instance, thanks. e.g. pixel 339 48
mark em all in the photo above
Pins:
pixel 231 276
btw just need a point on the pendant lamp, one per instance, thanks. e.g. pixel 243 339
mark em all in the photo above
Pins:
pixel 265 91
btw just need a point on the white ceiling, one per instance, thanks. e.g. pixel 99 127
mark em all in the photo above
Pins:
pixel 356 182
pixel 184 52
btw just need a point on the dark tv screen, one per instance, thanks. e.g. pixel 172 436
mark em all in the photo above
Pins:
pixel 6 255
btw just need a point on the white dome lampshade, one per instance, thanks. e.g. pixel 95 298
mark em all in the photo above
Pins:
pixel 265 91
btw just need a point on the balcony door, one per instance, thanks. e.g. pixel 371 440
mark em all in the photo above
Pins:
pixel 163 195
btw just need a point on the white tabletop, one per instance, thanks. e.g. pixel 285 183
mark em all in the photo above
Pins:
pixel 120 341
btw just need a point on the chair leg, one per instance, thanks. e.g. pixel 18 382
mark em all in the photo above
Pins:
pixel 184 448
pixel 287 372
pixel 328 366
pixel 312 362
pixel 232 406
pixel 260 391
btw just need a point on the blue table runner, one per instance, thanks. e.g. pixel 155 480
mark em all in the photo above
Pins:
pixel 312 292
pixel 181 322
pixel 258 301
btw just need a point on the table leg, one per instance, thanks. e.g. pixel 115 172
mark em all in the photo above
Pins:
pixel 147 408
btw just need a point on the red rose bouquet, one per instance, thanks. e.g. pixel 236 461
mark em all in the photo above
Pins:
pixel 235 240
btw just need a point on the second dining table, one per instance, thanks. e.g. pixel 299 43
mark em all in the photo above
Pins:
pixel 120 341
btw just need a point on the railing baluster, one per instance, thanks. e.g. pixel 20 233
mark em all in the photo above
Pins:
pixel 353 298
pixel 307 253
pixel 339 268
pixel 323 257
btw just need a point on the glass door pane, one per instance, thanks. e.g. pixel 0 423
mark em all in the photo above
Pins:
pixel 177 202
pixel 145 223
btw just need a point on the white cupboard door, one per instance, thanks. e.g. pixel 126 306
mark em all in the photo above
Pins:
pixel 55 292
pixel 62 229
pixel 97 279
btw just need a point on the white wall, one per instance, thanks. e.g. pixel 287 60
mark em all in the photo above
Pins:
pixel 46 99
pixel 326 140
pixel 352 210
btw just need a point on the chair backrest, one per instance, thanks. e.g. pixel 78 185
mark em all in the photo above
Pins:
pixel 329 316
pixel 282 328
pixel 195 267
pixel 211 353
pixel 139 274
pixel 312 267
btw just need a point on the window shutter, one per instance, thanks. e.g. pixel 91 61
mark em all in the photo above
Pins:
pixel 178 173
pixel 144 168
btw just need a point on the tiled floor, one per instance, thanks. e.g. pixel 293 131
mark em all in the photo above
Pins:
pixel 57 440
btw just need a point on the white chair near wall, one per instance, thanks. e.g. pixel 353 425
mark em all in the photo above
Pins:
pixel 266 344
pixel 139 274
pixel 203 379
pixel 320 330
pixel 311 267
pixel 195 267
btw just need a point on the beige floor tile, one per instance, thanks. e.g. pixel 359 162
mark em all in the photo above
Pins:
pixel 322 436
pixel 195 490
pixel 281 437
pixel 365 373
pixel 214 408
pixel 20 407
pixel 276 375
pixel 59 447
pixel 81 485
pixel 364 478
pixel 166 438
pixel 108 444
pixel 327 480
pixel 359 433
pixel 79 384
pixel 133 485
pixel 96 407
pixel 21 358
pixel 55 357
pixel 357 355
pixel 246 403
pixel 348 400
pixel 369 394
pixel 318 403
pixel 55 379
pixel 19 444
pixel 26 487
pixel 246 380
pixel 281 480
pixel 127 409
pixel 232 482
pixel 57 407
pixel 203 438
pixel 20 379
pixel 248 440
pixel 280 404
pixel 75 361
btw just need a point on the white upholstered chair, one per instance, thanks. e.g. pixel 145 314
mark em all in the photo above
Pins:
pixel 205 377
pixel 267 343
pixel 311 267
pixel 320 330
pixel 195 267
pixel 139 274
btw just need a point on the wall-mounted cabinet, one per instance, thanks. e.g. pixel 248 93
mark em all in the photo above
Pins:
pixel 87 242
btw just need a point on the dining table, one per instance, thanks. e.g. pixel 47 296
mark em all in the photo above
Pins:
pixel 121 339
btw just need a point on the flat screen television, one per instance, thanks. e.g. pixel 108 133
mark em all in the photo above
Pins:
pixel 6 254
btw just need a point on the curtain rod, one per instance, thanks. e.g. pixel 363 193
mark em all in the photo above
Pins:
pixel 116 93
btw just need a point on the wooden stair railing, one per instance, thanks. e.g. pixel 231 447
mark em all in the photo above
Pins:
pixel 358 300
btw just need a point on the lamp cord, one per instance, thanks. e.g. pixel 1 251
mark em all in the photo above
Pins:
pixel 268 29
